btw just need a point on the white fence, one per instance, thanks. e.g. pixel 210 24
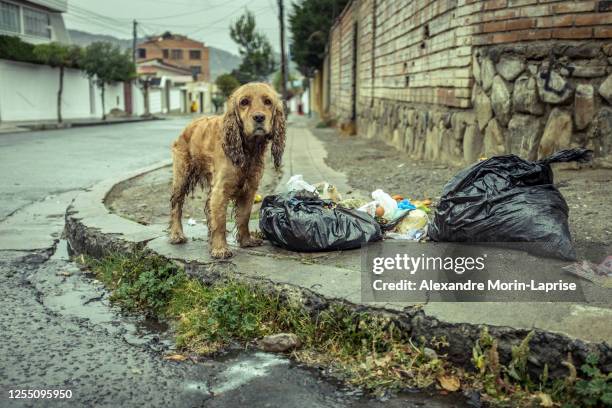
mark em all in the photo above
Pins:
pixel 29 92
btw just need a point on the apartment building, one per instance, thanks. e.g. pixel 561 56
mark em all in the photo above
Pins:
pixel 177 50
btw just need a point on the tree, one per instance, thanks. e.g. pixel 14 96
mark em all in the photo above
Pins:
pixel 107 64
pixel 254 48
pixel 226 83
pixel 62 57
pixel 276 82
pixel 309 24
pixel 218 101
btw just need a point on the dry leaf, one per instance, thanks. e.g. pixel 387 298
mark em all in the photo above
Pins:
pixel 175 357
pixel 545 400
pixel 449 382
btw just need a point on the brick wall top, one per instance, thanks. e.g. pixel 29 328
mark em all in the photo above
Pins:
pixel 508 21
pixel 420 50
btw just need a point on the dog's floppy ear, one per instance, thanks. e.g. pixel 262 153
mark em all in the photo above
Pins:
pixel 232 133
pixel 278 134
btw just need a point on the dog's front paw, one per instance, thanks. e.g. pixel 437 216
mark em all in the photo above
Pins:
pixel 221 253
pixel 177 238
pixel 250 242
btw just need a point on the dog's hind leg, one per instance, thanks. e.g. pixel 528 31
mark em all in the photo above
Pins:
pixel 181 179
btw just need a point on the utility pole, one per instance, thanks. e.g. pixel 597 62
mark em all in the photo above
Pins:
pixel 134 35
pixel 281 17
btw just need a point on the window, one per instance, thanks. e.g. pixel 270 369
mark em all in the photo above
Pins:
pixel 177 54
pixel 142 53
pixel 9 17
pixel 195 54
pixel 36 23
pixel 196 70
pixel 165 53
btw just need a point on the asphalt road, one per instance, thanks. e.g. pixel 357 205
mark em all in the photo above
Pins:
pixel 58 330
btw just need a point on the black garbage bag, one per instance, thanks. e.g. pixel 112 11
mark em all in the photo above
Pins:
pixel 508 199
pixel 300 221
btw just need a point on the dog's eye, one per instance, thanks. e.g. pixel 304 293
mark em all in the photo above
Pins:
pixel 244 102
pixel 267 102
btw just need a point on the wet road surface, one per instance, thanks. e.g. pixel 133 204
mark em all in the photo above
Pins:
pixel 58 330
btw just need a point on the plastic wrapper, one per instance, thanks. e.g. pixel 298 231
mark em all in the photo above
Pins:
pixel 508 199
pixel 301 221
pixel 386 202
pixel 297 183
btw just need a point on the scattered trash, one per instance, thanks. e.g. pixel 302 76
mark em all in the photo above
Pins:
pixel 352 203
pixel 369 208
pixel 412 227
pixel 328 192
pixel 281 342
pixel 508 199
pixel 301 221
pixel 191 222
pixel 398 217
pixel 599 274
pixel 405 204
pixel 297 183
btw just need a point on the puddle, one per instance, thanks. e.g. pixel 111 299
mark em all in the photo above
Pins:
pixel 67 290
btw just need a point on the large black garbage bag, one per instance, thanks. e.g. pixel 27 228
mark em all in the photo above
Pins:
pixel 300 221
pixel 508 199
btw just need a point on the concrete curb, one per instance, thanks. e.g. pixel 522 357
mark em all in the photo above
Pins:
pixel 92 230
pixel 31 127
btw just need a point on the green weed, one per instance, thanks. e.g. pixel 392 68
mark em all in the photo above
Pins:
pixel 512 384
pixel 139 282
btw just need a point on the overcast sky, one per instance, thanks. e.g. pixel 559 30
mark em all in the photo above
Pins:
pixel 203 20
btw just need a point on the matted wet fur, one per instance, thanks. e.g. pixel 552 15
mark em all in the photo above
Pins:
pixel 225 154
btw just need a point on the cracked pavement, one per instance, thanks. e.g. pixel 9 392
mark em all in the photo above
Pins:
pixel 58 329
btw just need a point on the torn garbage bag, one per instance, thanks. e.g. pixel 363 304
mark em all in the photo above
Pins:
pixel 300 221
pixel 508 199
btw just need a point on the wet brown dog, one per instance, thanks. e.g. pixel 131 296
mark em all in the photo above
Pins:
pixel 226 154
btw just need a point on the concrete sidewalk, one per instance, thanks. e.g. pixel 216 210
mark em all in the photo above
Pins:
pixel 561 327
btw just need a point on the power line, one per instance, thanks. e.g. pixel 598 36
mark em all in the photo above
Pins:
pixel 99 24
pixel 74 9
pixel 182 14
pixel 221 19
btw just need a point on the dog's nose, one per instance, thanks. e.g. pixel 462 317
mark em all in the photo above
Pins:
pixel 259 117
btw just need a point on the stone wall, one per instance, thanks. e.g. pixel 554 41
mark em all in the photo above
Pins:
pixel 453 80
pixel 535 98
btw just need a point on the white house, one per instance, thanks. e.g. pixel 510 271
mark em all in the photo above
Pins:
pixel 34 21
pixel 173 88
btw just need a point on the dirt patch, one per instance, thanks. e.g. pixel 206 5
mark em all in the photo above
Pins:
pixel 146 198
pixel 371 164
